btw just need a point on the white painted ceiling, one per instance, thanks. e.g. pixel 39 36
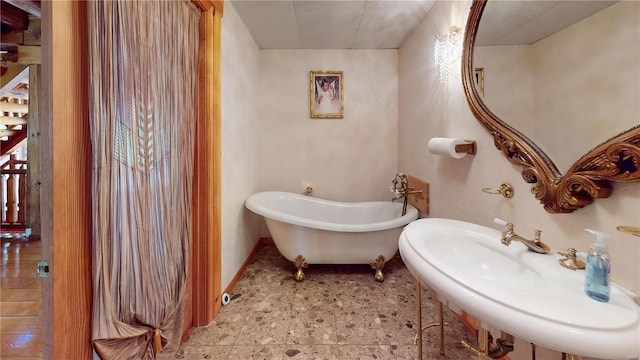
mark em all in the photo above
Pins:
pixel 331 24
pixel 384 24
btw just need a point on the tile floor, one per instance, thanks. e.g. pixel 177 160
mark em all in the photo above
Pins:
pixel 337 312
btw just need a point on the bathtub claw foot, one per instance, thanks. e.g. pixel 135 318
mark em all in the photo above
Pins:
pixel 377 265
pixel 300 263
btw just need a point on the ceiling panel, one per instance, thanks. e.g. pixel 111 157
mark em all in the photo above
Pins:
pixel 328 24
pixel 331 24
pixel 272 24
pixel 385 24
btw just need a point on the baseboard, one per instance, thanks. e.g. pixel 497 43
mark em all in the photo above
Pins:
pixel 266 241
pixel 243 267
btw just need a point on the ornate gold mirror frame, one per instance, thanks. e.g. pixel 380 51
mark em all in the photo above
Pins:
pixel 590 177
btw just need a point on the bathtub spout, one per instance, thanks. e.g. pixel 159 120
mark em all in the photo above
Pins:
pixel 300 263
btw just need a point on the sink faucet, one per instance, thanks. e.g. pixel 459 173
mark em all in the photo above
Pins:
pixel 509 235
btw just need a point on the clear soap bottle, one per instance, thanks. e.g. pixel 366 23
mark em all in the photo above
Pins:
pixel 596 281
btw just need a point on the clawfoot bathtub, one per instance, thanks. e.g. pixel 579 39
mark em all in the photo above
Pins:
pixel 308 230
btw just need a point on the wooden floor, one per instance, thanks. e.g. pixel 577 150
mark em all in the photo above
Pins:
pixel 20 299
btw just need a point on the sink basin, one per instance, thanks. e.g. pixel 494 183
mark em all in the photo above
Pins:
pixel 494 266
pixel 512 289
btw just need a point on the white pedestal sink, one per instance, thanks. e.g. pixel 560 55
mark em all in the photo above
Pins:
pixel 526 294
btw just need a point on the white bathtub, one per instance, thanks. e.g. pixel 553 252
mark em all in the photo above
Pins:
pixel 308 230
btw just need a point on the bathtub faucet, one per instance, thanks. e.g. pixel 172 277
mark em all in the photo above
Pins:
pixel 401 187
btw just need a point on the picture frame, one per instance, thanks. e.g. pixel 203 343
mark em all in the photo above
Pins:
pixel 478 77
pixel 326 94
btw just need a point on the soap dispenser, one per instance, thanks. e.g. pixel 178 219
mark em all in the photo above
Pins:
pixel 596 280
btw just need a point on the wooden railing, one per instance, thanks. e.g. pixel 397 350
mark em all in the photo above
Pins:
pixel 13 192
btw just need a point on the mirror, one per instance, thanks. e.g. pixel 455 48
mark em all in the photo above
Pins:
pixel 610 154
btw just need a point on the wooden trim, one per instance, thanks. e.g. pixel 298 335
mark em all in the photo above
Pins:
pixel 33 141
pixel 29 6
pixel 236 278
pixel 66 181
pixel 243 267
pixel 205 5
pixel 266 241
pixel 206 187
pixel 14 141
pixel 14 17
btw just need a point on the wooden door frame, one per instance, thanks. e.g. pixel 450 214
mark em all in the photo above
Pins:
pixel 66 206
pixel 206 263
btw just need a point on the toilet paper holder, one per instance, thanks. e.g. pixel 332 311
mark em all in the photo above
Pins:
pixel 468 148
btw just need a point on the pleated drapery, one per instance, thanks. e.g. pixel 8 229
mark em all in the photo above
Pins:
pixel 143 88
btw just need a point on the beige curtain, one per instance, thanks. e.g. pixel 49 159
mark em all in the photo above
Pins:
pixel 143 90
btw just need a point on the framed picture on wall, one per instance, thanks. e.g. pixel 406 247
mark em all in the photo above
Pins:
pixel 327 95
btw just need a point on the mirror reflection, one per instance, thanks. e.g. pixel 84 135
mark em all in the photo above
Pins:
pixel 558 70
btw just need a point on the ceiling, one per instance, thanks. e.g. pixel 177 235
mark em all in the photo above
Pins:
pixel 335 24
pixel 384 24
pixel 525 22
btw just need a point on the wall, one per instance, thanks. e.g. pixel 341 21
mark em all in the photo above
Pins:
pixel 349 159
pixel 428 109
pixel 240 118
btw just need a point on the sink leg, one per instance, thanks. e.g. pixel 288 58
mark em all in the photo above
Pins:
pixel 418 339
pixel 483 342
pixel 483 345
pixel 533 351
pixel 419 311
pixel 442 324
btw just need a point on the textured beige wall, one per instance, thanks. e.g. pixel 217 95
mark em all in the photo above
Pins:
pixel 240 116
pixel 349 159
pixel 428 109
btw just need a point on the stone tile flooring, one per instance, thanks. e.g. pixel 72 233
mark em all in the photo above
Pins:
pixel 337 312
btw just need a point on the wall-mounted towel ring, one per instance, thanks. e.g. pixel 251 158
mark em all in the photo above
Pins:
pixel 505 190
